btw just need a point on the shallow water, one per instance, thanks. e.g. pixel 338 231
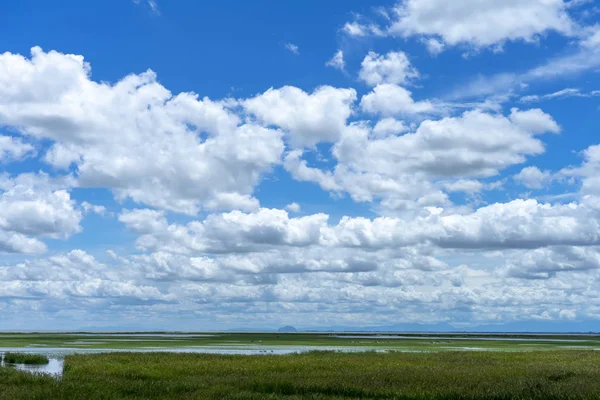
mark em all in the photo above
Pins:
pixel 499 339
pixel 106 340
pixel 57 355
pixel 168 335
pixel 54 367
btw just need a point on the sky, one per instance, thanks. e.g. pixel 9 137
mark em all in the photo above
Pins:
pixel 202 165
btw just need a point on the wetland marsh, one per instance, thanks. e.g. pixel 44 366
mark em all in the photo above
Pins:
pixel 301 366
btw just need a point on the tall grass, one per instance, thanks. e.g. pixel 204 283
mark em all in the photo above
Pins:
pixel 318 375
pixel 24 358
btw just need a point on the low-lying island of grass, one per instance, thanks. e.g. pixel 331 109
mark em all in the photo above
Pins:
pixel 317 375
pixel 24 358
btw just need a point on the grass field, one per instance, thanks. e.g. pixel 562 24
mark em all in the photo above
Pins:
pixel 316 375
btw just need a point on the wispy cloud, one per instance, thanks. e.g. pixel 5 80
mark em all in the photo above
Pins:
pixel 561 94
pixel 337 61
pixel 152 4
pixel 293 48
pixel 585 58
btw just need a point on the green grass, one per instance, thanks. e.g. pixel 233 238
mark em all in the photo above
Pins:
pixel 318 375
pixel 24 358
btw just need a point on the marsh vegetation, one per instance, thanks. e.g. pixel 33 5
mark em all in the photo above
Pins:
pixel 25 358
pixel 316 375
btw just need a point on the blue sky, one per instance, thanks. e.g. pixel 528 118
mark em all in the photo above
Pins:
pixel 214 165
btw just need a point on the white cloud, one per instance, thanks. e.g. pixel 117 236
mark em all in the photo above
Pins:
pixel 519 224
pixel 588 173
pixel 144 220
pixel 545 263
pixel 337 61
pixel 432 259
pixel 390 100
pixel 561 94
pixel 469 186
pixel 481 23
pixel 533 177
pixel 12 148
pixel 357 29
pixel 389 126
pixel 152 4
pixel 455 146
pixel 134 137
pixel 571 63
pixel 309 118
pixel 301 171
pixel 393 67
pixel 31 207
pixel 522 224
pixel 581 60
pixel 354 29
pixel 591 38
pixel 12 242
pixel 292 48
pixel 346 287
pixel 75 265
pixel 434 46
pixel 293 207
pixel 96 209
pixel 409 171
pixel 567 314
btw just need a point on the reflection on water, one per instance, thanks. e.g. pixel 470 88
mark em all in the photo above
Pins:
pixel 54 367
pixel 57 355
pixel 143 335
pixel 499 339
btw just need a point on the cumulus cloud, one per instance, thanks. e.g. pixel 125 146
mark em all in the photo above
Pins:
pixel 591 37
pixel 393 67
pixel 481 23
pixel 547 262
pixel 519 224
pixel 533 177
pixel 293 207
pixel 180 153
pixel 464 185
pixel 14 149
pixel 196 288
pixel 369 264
pixel 177 152
pixel 587 173
pixel 310 118
pixel 388 99
pixel 35 206
pixel 434 46
pixel 389 126
pixel 408 170
pixel 93 208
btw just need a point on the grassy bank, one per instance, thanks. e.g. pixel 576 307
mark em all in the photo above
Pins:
pixel 319 375
pixel 23 358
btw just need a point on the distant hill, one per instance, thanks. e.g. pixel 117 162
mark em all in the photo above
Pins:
pixel 287 328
